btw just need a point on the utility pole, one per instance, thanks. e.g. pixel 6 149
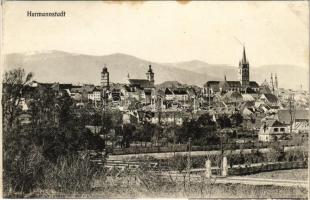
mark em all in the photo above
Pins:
pixel 209 94
pixel 291 110
pixel 103 117
pixel 253 131
pixel 222 151
pixel 174 126
pixel 189 159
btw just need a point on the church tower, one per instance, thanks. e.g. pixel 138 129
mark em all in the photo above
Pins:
pixel 244 71
pixel 276 82
pixel 150 75
pixel 105 82
pixel 271 83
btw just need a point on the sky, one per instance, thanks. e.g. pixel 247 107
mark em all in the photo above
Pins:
pixel 273 32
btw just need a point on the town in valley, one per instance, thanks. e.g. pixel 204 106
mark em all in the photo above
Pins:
pixel 222 130
pixel 155 99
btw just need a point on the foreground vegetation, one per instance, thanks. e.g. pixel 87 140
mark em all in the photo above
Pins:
pixel 204 191
pixel 176 190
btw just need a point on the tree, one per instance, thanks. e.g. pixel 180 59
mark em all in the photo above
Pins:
pixel 128 130
pixel 15 84
pixel 236 119
pixel 224 121
pixel 201 130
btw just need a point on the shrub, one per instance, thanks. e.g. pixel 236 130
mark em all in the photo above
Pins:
pixel 23 170
pixel 71 174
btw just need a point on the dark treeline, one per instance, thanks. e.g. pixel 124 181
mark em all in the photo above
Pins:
pixel 53 137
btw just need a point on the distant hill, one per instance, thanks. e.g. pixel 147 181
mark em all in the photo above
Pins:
pixel 58 66
pixel 169 84
pixel 217 71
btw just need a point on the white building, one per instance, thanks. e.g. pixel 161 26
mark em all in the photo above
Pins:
pixel 272 130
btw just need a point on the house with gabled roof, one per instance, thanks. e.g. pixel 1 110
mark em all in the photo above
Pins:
pixel 95 94
pixel 272 130
pixel 299 118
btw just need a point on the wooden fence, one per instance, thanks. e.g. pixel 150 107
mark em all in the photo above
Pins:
pixel 265 167
pixel 237 170
pixel 184 147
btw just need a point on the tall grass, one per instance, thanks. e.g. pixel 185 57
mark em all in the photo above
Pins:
pixel 70 176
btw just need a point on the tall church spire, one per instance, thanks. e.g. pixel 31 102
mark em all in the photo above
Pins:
pixel 271 83
pixel 244 71
pixel 276 81
pixel 244 55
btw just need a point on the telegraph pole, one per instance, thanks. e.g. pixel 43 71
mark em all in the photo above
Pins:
pixel 209 94
pixel 104 117
pixel 291 108
pixel 189 159
pixel 222 152
pixel 174 126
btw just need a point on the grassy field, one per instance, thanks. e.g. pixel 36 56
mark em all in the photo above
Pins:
pixel 147 185
pixel 292 174
pixel 194 191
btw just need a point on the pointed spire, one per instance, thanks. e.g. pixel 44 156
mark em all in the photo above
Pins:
pixel 150 68
pixel 244 55
pixel 271 83
pixel 128 76
pixel 225 77
pixel 276 81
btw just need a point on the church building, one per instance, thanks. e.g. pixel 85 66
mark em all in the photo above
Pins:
pixel 243 85
pixel 142 90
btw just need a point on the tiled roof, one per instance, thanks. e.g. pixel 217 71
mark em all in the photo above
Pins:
pixel 140 83
pixel 271 98
pixel 298 115
pixel 265 89
pixel 211 83
pixel 274 123
pixel 247 97
pixel 233 83
pixel 180 91
pixel 168 91
pixel 233 95
pixel 88 88
pixel 147 91
pixel 253 84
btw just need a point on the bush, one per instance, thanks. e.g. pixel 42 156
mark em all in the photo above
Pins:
pixel 71 174
pixel 23 170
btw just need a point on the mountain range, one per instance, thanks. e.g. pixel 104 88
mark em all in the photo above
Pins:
pixel 64 67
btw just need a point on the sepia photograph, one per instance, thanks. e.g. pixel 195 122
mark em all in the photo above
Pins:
pixel 155 99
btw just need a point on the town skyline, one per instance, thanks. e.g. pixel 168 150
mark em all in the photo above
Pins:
pixel 155 99
pixel 192 72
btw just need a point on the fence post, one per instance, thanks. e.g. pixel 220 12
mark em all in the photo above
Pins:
pixel 224 167
pixel 208 169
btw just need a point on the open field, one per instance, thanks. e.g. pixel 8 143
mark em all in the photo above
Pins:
pixel 292 174
pixel 197 190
